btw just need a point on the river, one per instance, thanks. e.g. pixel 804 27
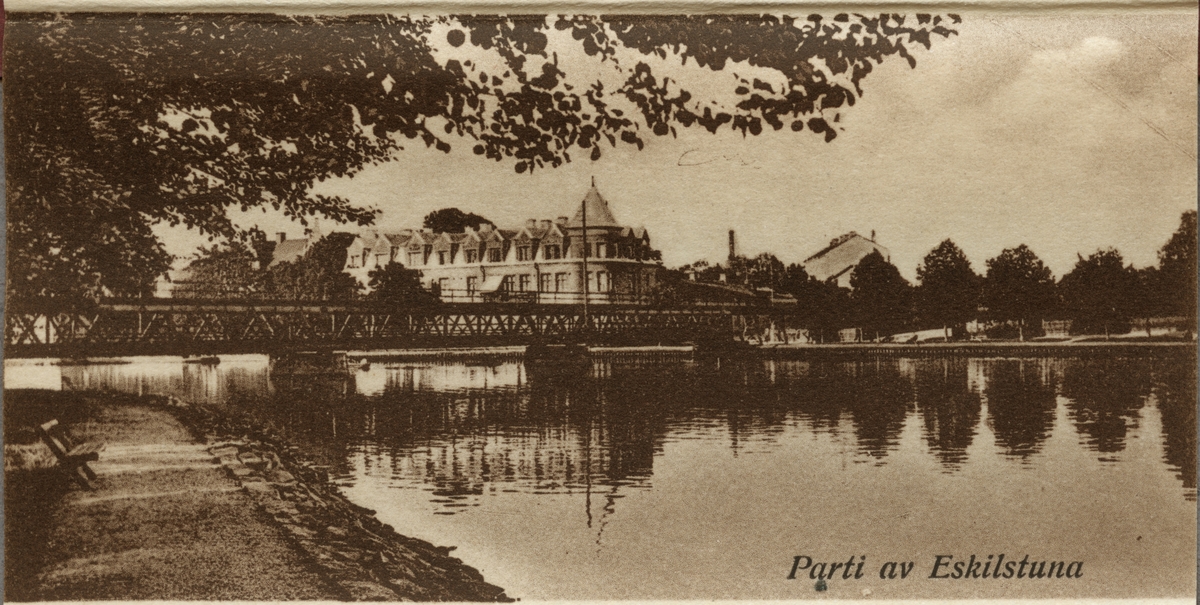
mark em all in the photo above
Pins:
pixel 655 477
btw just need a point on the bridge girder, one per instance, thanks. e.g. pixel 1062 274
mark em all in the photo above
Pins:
pixel 208 328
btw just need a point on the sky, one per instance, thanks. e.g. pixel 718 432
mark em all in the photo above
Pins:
pixel 1065 133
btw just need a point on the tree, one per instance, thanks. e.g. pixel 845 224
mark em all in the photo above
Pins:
pixel 222 271
pixel 230 270
pixel 127 121
pixel 319 275
pixel 1099 292
pixel 762 271
pixel 822 306
pixel 396 285
pixel 704 271
pixel 1177 271
pixel 453 220
pixel 882 298
pixel 948 294
pixel 1018 287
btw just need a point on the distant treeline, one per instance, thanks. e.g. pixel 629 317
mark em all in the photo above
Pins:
pixel 1101 294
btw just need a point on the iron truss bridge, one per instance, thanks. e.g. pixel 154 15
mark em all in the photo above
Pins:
pixel 157 327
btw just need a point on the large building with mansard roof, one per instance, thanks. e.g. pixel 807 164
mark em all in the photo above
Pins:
pixel 539 261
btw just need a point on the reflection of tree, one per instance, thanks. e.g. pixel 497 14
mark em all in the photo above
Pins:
pixel 1175 391
pixel 875 394
pixel 743 395
pixel 1104 396
pixel 949 409
pixel 811 390
pixel 878 395
pixel 1020 397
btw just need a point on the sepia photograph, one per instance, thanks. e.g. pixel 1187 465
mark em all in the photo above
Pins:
pixel 599 303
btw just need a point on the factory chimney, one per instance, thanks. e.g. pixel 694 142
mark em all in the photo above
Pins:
pixel 732 245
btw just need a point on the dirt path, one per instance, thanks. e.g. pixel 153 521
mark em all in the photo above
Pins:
pixel 165 522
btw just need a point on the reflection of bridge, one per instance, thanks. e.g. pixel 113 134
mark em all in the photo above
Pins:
pixel 150 327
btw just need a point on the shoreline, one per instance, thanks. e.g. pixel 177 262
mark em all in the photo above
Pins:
pixel 280 490
pixel 365 557
pixel 982 349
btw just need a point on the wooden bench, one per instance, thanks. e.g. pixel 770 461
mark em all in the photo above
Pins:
pixel 73 457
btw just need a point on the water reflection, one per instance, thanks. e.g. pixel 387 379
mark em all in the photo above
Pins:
pixel 1021 398
pixel 463 431
pixel 949 404
pixel 1174 388
pixel 1104 397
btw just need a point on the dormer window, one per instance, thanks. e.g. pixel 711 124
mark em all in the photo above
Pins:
pixel 523 253
pixel 472 256
pixel 493 255
pixel 551 251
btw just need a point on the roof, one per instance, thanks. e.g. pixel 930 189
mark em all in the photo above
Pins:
pixel 598 214
pixel 289 250
pixel 398 239
pixel 635 232
pixel 841 255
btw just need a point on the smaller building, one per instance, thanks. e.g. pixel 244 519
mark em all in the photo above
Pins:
pixel 289 250
pixel 836 262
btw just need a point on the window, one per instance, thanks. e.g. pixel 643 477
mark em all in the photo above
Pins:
pixel 472 285
pixel 493 255
pixel 414 259
pixel 365 252
pixel 506 284
pixel 472 256
pixel 545 282
pixel 441 257
pixel 523 253
pixel 602 283
pixel 443 286
pixel 523 282
pixel 560 282
pixel 428 253
pixel 551 252
pixel 353 262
